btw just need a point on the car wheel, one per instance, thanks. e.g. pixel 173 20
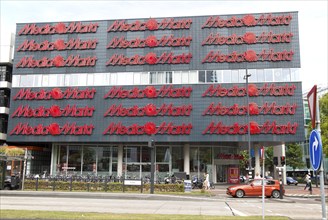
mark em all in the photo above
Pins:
pixel 6 188
pixel 288 184
pixel 240 193
pixel 296 184
pixel 275 194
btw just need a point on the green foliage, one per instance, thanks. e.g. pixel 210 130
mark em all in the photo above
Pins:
pixel 11 151
pixel 244 162
pixel 323 107
pixel 45 185
pixel 294 156
pixel 269 158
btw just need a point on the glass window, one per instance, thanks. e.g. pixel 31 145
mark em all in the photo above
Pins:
pixel 205 158
pixel 90 79
pixel 144 78
pixel 152 77
pixel 125 78
pixel 226 76
pixel 74 159
pixel 235 76
pixel 286 75
pixel 131 154
pixel 260 75
pixel 194 159
pixel 177 159
pixel 177 77
pixel 145 154
pixel 3 73
pixel 101 79
pixel 268 73
pixel 161 78
pixel 45 80
pixel 185 77
pixel 137 78
pixel 104 159
pixel 201 76
pixel 89 159
pixel 16 80
pixel 163 154
pixel 212 76
pixel 193 77
pixel 295 74
pixel 253 75
pixel 56 79
pixel 278 75
pixel 31 80
pixel 113 79
pixel 168 77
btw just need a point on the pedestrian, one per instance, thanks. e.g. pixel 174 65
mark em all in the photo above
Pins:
pixel 307 181
pixel 206 183
pixel 257 176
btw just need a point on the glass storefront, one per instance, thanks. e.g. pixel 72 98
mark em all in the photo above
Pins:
pixel 135 161
pixel 200 161
pixel 86 160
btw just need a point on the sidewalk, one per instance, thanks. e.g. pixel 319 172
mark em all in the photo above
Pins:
pixel 300 192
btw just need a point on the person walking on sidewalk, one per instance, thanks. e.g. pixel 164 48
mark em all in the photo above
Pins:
pixel 206 184
pixel 308 182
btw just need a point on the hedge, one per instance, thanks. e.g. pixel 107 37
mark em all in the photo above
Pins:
pixel 78 186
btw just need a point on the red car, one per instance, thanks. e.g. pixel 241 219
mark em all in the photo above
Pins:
pixel 254 188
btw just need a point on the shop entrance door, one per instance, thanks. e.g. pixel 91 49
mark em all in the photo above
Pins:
pixel 221 173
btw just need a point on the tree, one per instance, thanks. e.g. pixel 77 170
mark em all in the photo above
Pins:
pixel 323 107
pixel 269 159
pixel 244 162
pixel 294 156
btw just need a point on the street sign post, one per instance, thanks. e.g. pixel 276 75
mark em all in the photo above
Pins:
pixel 315 149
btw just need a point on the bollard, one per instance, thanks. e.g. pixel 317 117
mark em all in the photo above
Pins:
pixel 280 189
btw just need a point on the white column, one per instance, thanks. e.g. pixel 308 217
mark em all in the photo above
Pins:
pixel 257 168
pixel 53 163
pixel 120 160
pixel 283 153
pixel 279 151
pixel 186 159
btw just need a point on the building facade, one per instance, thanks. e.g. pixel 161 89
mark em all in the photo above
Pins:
pixel 89 95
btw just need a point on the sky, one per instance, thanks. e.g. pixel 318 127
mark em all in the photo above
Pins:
pixel 312 20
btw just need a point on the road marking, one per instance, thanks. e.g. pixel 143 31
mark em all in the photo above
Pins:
pixel 238 213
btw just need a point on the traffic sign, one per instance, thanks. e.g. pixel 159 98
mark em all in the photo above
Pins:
pixel 312 101
pixel 315 149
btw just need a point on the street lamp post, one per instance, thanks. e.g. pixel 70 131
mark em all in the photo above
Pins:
pixel 248 126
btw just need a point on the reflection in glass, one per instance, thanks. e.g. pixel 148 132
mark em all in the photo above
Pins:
pixel 74 158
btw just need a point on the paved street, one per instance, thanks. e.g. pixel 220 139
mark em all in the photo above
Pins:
pixel 294 205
